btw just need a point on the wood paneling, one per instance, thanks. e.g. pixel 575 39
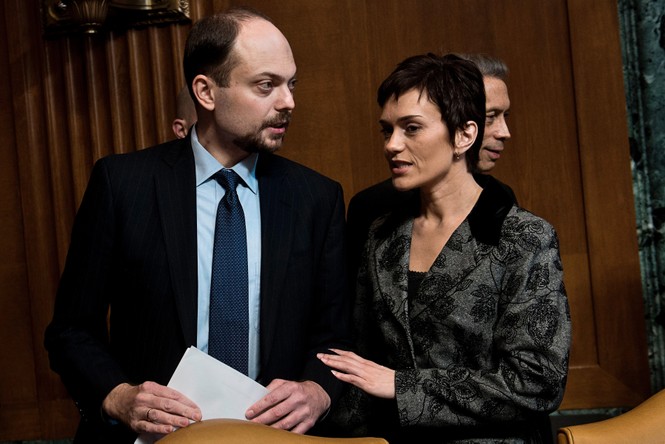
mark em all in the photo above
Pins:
pixel 68 101
pixel 21 414
pixel 609 210
pixel 18 386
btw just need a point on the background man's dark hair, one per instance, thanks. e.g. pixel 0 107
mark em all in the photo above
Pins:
pixel 489 66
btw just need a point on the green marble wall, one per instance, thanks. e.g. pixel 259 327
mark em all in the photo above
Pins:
pixel 643 46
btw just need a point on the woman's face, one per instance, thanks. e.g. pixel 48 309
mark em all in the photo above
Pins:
pixel 417 145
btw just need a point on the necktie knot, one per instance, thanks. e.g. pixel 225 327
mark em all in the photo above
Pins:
pixel 228 179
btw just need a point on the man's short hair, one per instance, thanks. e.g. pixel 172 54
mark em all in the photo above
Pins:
pixel 209 46
pixel 489 66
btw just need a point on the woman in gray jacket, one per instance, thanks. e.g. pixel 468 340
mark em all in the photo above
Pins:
pixel 462 316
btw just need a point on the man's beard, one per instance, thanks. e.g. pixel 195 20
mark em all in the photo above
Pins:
pixel 253 143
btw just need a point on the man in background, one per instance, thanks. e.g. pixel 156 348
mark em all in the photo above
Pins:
pixel 497 110
pixel 185 114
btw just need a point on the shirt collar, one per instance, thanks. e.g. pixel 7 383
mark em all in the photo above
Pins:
pixel 207 165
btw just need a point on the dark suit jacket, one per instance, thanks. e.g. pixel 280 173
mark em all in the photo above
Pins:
pixel 133 249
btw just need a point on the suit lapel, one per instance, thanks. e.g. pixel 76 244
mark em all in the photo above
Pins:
pixel 448 273
pixel 277 224
pixel 391 265
pixel 175 186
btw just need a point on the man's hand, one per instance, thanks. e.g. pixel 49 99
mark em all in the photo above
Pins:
pixel 294 406
pixel 150 407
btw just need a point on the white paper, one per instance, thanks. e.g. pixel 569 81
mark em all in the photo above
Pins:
pixel 219 390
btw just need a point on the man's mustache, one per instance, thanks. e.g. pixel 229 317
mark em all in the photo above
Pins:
pixel 281 119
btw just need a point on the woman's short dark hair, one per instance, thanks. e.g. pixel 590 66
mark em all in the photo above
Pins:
pixel 209 46
pixel 451 83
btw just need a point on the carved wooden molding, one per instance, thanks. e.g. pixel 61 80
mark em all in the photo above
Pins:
pixel 63 17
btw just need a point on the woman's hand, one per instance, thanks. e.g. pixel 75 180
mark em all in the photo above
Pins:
pixel 368 376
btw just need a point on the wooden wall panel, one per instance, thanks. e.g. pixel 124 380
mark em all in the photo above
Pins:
pixel 610 209
pixel 18 387
pixel 119 78
pixel 70 100
pixel 22 416
pixel 335 117
pixel 58 120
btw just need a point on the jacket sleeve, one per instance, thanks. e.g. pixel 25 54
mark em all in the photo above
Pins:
pixel 330 325
pixel 77 337
pixel 353 414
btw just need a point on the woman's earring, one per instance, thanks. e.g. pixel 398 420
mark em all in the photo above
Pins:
pixel 456 155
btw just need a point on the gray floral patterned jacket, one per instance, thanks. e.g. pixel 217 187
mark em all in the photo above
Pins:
pixel 481 352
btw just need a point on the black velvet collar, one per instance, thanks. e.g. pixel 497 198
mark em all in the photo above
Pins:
pixel 487 216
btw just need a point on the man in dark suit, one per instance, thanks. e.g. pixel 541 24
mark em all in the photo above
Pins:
pixel 142 246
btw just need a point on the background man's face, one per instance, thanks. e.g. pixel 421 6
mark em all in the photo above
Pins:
pixel 497 108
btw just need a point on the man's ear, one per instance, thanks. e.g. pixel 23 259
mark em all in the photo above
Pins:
pixel 464 138
pixel 204 91
pixel 180 128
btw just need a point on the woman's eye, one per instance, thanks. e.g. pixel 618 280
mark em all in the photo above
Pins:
pixel 412 128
